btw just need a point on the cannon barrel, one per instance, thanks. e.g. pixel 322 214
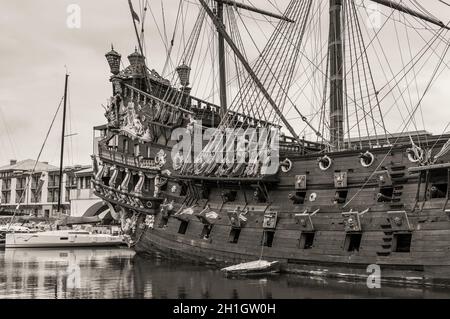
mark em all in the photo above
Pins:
pixel 383 198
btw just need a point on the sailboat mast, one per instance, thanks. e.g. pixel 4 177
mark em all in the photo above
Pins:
pixel 336 76
pixel 62 145
pixel 222 64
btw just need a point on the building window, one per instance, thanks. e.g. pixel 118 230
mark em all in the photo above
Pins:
pixel 6 184
pixel 53 180
pixel 402 243
pixel 35 196
pixel 53 195
pixel 6 197
pixel 20 183
pixel 35 181
pixel 307 240
pixel 20 196
pixel 353 242
pixel 88 182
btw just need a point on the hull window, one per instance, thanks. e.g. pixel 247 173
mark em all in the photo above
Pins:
pixel 353 242
pixel 307 240
pixel 340 197
pixel 385 195
pixel 298 198
pixel 268 238
pixel 402 243
pixel 184 188
pixel 229 196
pixel 206 231
pixel 183 227
pixel 438 190
pixel 163 223
pixel 438 183
pixel 234 235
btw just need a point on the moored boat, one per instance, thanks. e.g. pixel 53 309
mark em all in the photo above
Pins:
pixel 258 267
pixel 61 239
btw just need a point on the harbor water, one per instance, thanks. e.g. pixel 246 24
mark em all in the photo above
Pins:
pixel 119 273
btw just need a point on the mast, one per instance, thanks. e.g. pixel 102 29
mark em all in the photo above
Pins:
pixel 62 144
pixel 222 64
pixel 249 69
pixel 400 7
pixel 336 76
pixel 221 43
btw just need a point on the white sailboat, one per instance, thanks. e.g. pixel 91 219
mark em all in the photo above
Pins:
pixel 61 238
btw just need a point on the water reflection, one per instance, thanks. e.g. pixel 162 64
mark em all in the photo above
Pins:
pixel 119 273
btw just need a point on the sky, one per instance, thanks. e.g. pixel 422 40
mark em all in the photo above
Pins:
pixel 36 46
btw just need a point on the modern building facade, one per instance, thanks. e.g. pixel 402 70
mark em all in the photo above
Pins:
pixel 33 188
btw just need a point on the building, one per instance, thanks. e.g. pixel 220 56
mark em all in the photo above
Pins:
pixel 83 202
pixel 38 193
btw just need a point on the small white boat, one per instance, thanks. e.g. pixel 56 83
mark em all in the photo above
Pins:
pixel 258 267
pixel 61 238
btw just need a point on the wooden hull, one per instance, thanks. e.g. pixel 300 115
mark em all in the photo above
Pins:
pixel 396 269
pixel 406 233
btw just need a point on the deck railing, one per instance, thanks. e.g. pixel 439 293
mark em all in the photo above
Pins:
pixel 126 159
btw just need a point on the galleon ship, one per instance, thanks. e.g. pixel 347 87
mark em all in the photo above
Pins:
pixel 332 190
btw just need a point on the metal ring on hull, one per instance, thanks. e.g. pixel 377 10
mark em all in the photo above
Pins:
pixel 325 162
pixel 367 159
pixel 415 154
pixel 286 165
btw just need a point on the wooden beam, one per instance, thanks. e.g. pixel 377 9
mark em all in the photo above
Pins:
pixel 404 9
pixel 253 9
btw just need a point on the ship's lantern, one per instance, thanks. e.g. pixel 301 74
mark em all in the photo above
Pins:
pixel 184 73
pixel 137 62
pixel 113 60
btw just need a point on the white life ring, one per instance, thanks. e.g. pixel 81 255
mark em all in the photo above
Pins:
pixel 325 162
pixel 363 159
pixel 415 155
pixel 312 197
pixel 286 165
